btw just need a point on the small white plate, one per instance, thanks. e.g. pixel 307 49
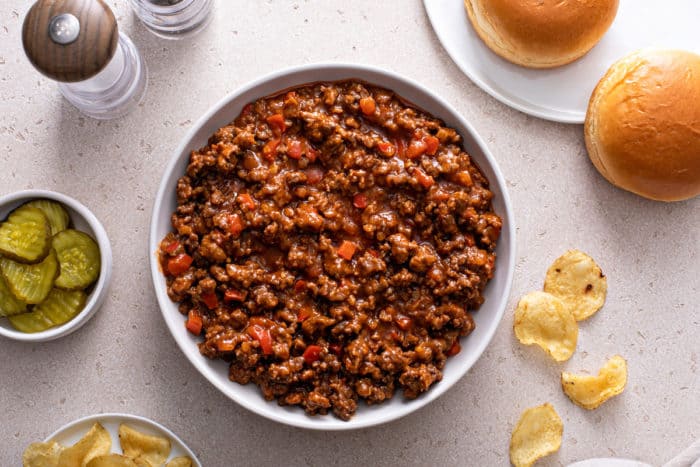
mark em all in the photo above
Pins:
pixel 561 94
pixel 69 434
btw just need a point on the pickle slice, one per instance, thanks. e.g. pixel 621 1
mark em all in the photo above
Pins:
pixel 9 304
pixel 62 305
pixel 55 212
pixel 59 307
pixel 30 283
pixel 26 235
pixel 79 257
pixel 34 321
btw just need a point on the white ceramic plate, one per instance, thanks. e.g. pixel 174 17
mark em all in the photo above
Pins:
pixel 486 319
pixel 561 94
pixel 69 434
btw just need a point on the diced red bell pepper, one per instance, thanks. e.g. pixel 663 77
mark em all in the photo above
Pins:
pixel 233 295
pixel 294 149
pixel 312 354
pixel 270 149
pixel 416 148
pixel 210 300
pixel 347 249
pixel 277 123
pixel 179 264
pixel 367 105
pixel 454 349
pixel 172 246
pixel 359 201
pixel 194 323
pixel 225 345
pixel 247 201
pixel 314 175
pixel 235 225
pixel 425 180
pixel 386 148
pixel 432 144
pixel 263 336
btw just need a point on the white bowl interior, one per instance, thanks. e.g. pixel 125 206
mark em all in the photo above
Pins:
pixel 496 294
pixel 81 219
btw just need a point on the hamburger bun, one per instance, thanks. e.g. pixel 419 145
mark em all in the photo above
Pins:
pixel 541 33
pixel 642 126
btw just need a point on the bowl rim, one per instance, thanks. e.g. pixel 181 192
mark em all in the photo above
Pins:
pixel 99 292
pixel 351 70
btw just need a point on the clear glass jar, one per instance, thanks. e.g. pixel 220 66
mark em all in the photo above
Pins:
pixel 174 19
pixel 115 90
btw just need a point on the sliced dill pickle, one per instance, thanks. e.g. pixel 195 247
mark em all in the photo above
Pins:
pixel 26 235
pixel 55 212
pixel 9 304
pixel 30 283
pixel 34 321
pixel 79 257
pixel 62 305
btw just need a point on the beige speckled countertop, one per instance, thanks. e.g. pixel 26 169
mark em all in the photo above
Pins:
pixel 124 359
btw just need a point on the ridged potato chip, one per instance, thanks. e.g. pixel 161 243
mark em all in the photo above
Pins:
pixel 180 462
pixel 151 450
pixel 96 442
pixel 42 455
pixel 543 319
pixel 537 434
pixel 579 282
pixel 590 391
pixel 111 460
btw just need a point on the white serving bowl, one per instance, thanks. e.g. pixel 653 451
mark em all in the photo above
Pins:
pixel 81 219
pixel 496 294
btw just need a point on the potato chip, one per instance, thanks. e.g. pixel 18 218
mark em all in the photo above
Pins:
pixel 579 282
pixel 111 460
pixel 537 434
pixel 542 319
pixel 590 391
pixel 96 442
pixel 154 450
pixel 42 454
pixel 180 462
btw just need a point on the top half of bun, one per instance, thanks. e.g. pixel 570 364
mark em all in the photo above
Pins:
pixel 642 127
pixel 541 33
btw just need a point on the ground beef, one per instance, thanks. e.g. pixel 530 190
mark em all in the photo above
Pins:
pixel 330 244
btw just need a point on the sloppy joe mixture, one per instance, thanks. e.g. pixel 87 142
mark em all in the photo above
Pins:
pixel 330 244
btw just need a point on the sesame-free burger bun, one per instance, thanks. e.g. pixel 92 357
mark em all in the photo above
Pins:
pixel 541 33
pixel 642 126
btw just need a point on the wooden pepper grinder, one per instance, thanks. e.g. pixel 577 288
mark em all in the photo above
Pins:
pixel 173 19
pixel 78 44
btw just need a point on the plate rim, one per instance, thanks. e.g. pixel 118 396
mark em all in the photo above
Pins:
pixel 554 116
pixel 125 417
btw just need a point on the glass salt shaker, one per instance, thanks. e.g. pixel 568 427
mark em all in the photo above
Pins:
pixel 78 44
pixel 174 19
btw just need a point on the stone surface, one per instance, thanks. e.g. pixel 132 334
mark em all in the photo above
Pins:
pixel 124 359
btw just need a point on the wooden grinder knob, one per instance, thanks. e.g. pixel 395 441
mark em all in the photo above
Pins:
pixel 70 40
